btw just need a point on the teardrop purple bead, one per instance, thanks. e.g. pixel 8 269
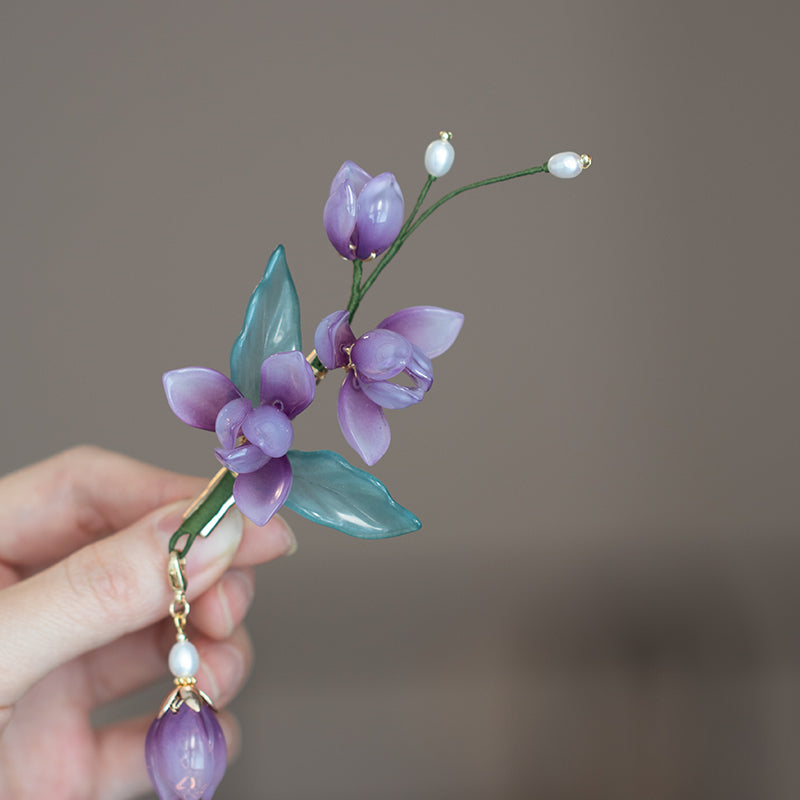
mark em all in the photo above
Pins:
pixel 186 754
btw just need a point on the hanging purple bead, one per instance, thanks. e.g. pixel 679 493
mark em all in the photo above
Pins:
pixel 186 753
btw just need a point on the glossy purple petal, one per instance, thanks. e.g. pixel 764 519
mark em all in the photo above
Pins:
pixel 196 395
pixel 420 369
pixel 333 334
pixel 229 421
pixel 431 329
pixel 363 423
pixel 380 355
pixel 287 382
pixel 397 395
pixel 270 430
pixel 245 458
pixel 186 754
pixel 392 395
pixel 339 218
pixel 379 216
pixel 352 173
pixel 260 494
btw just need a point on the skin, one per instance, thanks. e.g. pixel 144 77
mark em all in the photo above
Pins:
pixel 83 616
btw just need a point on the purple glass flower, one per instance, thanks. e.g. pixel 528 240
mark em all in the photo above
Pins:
pixel 399 349
pixel 254 441
pixel 363 214
pixel 186 754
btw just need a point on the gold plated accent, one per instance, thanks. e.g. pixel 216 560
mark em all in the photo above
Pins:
pixel 189 695
pixel 212 484
pixel 445 136
pixel 177 577
pixel 586 161
pixel 319 374
pixel 179 607
pixel 185 691
pixel 206 699
pixel 179 611
pixel 347 350
pixel 167 704
pixel 193 701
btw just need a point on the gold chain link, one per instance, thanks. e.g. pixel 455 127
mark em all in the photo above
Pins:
pixel 179 607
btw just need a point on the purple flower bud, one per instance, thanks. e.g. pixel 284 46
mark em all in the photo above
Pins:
pixel 363 215
pixel 379 216
pixel 186 754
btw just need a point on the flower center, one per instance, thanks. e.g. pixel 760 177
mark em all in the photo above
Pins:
pixel 347 350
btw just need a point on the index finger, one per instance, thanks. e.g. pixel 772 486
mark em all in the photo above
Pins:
pixel 56 506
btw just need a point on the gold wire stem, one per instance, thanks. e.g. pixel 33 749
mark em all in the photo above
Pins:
pixel 319 372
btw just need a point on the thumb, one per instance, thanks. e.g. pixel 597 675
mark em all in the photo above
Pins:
pixel 99 593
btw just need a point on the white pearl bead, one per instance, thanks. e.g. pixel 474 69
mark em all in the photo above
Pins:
pixel 565 165
pixel 184 660
pixel 439 157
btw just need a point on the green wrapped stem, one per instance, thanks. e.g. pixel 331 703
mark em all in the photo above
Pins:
pixel 360 288
pixel 209 509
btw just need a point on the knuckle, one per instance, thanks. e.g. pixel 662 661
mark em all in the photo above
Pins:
pixel 102 587
pixel 80 455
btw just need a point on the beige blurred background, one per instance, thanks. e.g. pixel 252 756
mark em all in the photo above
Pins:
pixel 602 601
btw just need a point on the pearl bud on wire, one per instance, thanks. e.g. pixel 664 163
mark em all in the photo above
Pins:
pixel 439 155
pixel 568 164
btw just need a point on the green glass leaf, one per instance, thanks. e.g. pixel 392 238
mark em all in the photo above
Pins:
pixel 329 491
pixel 271 325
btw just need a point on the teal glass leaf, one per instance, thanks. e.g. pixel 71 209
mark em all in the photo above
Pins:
pixel 271 325
pixel 329 491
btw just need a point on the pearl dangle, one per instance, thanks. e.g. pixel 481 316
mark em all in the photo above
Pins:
pixel 185 748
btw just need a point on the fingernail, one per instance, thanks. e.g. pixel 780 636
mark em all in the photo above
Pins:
pixel 223 672
pixel 288 535
pixel 236 666
pixel 220 545
pixel 235 592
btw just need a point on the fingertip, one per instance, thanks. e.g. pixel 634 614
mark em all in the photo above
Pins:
pixel 214 553
pixel 224 666
pixel 288 535
pixel 233 734
pixel 222 608
pixel 262 544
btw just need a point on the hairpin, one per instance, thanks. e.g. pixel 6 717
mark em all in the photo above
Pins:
pixel 271 383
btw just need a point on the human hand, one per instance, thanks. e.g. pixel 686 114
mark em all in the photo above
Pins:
pixel 83 601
